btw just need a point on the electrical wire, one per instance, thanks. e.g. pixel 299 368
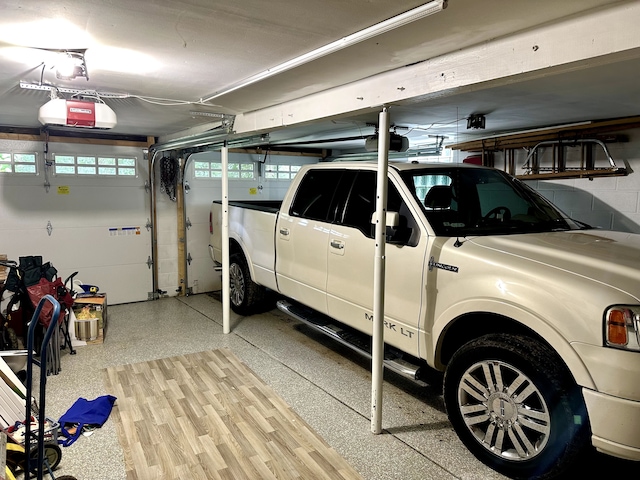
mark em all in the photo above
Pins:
pixel 101 96
pixel 169 102
pixel 154 100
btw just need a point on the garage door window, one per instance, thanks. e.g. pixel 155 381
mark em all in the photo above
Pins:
pixel 87 166
pixel 281 172
pixel 126 167
pixel 107 166
pixel 237 170
pixel 94 166
pixel 18 163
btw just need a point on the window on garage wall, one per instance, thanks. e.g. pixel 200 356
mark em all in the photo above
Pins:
pixel 239 170
pixel 95 165
pixel 18 163
pixel 281 171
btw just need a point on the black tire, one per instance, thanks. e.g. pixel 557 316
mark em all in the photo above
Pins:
pixel 515 406
pixel 52 454
pixel 246 295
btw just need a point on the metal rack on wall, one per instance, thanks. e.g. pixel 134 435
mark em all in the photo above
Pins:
pixel 548 150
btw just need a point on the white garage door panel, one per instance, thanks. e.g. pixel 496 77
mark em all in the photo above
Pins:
pixel 20 243
pixel 89 246
pixel 92 252
pixel 202 276
pixel 122 283
pixel 200 272
pixel 98 222
pixel 28 207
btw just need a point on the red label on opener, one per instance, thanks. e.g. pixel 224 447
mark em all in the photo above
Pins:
pixel 81 114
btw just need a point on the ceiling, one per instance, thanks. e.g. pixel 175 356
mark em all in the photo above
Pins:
pixel 156 62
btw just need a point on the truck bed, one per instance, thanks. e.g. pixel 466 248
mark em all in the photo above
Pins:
pixel 252 226
pixel 271 206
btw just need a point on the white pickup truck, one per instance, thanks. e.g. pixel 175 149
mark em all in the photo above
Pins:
pixel 534 318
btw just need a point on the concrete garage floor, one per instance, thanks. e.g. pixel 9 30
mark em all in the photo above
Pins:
pixel 325 383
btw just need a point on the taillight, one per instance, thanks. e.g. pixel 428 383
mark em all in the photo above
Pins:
pixel 210 223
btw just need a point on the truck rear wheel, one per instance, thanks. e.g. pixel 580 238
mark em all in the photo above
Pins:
pixel 245 294
pixel 515 407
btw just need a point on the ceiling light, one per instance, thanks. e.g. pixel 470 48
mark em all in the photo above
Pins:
pixel 370 32
pixel 124 60
pixel 50 33
pixel 71 64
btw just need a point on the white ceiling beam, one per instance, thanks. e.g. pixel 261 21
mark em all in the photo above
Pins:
pixel 398 21
pixel 594 38
pixel 190 132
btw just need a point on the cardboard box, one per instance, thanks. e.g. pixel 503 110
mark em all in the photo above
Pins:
pixel 90 312
pixel 4 271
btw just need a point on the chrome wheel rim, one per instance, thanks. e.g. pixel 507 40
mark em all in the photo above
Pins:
pixel 504 410
pixel 236 284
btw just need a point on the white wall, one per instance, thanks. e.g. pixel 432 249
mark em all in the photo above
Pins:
pixel 611 203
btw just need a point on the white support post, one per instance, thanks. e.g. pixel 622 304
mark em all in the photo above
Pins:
pixel 225 239
pixel 377 345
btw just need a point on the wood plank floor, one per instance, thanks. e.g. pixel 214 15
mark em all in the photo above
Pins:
pixel 208 416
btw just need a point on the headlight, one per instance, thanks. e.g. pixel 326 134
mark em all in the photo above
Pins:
pixel 622 327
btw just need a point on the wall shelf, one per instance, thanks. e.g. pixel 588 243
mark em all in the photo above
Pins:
pixel 574 151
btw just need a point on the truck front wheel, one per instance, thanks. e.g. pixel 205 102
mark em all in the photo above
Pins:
pixel 246 295
pixel 515 407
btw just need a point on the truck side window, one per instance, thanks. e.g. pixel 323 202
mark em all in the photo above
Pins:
pixel 315 193
pixel 361 205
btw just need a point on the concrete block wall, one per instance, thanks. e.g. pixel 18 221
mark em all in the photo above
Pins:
pixel 611 203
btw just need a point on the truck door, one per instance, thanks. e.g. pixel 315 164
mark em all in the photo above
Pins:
pixel 302 236
pixel 351 259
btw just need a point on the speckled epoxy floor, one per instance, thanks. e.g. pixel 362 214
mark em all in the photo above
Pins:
pixel 327 385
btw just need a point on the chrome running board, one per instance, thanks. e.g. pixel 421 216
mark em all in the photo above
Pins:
pixel 353 340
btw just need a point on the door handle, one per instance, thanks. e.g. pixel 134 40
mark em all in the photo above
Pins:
pixel 337 244
pixel 284 231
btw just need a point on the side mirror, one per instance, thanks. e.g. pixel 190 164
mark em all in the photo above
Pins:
pixel 397 232
pixel 393 219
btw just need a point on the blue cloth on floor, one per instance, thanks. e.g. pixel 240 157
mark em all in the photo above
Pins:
pixel 85 412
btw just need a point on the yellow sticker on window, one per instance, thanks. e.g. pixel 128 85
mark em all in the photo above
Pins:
pixel 63 190
pixel 253 191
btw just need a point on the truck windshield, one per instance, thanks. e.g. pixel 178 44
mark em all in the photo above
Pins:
pixel 476 201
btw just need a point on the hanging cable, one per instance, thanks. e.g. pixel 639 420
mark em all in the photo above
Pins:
pixel 169 173
pixel 47 161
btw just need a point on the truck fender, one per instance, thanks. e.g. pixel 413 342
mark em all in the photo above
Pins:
pixel 509 313
pixel 236 245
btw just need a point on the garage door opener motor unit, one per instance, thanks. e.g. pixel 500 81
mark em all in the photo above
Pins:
pixel 77 113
